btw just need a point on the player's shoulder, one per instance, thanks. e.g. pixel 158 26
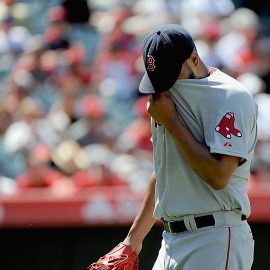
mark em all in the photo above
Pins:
pixel 231 85
pixel 233 93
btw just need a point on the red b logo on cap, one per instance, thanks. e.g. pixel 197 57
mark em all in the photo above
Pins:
pixel 150 63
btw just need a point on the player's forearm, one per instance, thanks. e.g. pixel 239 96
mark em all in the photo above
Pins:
pixel 211 168
pixel 144 220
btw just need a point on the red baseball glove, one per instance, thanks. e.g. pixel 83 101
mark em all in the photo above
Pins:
pixel 120 258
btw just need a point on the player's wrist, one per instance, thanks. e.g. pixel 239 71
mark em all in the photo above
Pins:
pixel 134 244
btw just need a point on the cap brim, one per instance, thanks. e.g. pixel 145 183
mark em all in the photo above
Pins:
pixel 146 86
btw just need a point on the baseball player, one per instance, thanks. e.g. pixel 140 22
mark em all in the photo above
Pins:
pixel 203 135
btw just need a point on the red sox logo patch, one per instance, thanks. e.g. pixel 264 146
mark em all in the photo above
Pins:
pixel 150 63
pixel 226 126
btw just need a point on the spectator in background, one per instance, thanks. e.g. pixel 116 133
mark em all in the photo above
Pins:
pixel 72 79
pixel 241 34
pixel 137 135
pixel 257 88
pixel 93 126
pixel 116 34
pixel 41 67
pixel 38 173
pixel 75 77
pixel 17 88
pixel 262 49
pixel 56 34
pixel 114 60
pixel 115 73
pixel 206 42
pixel 260 169
pixel 77 12
pixel 69 157
pixel 260 172
pixel 117 66
pixel 23 133
pixel 13 41
pixel 134 147
pixel 99 171
pixel 5 118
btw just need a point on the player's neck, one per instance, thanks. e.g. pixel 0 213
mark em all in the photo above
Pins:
pixel 202 71
pixel 190 71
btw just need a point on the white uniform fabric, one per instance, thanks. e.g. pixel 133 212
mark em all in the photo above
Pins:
pixel 205 106
pixel 211 248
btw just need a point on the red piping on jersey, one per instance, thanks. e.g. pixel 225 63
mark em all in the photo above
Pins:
pixel 211 71
pixel 228 250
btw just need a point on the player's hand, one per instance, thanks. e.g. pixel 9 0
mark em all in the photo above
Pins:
pixel 119 258
pixel 162 108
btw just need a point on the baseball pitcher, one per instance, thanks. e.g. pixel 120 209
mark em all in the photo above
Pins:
pixel 203 134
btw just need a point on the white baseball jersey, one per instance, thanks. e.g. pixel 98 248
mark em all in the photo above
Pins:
pixel 221 113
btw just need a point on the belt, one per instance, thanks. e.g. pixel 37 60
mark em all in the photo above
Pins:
pixel 202 221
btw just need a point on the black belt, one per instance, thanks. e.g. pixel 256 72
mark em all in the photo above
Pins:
pixel 179 226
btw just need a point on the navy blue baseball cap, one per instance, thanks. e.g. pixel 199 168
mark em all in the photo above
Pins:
pixel 164 51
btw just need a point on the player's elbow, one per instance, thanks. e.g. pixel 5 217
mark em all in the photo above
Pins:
pixel 218 185
pixel 220 174
pixel 218 182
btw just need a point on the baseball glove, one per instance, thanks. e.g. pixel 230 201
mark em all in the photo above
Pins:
pixel 120 258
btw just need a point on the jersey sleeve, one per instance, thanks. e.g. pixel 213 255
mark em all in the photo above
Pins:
pixel 228 128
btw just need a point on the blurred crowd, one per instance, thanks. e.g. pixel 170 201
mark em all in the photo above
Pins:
pixel 70 111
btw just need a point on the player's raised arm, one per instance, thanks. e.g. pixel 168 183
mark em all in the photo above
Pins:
pixel 215 170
